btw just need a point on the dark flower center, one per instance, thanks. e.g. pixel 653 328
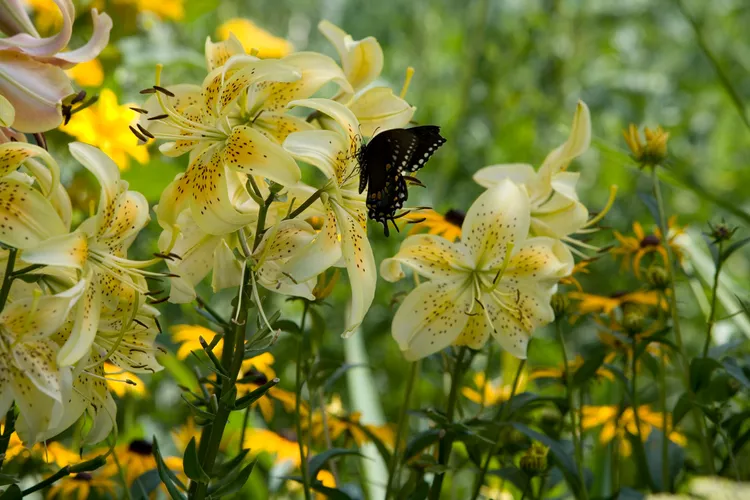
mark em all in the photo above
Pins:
pixel 140 447
pixel 255 377
pixel 455 217
pixel 83 476
pixel 650 241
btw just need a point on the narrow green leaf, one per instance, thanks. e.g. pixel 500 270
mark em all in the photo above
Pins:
pixel 700 372
pixel 734 247
pixel 144 485
pixel 192 465
pixel 197 411
pixel 6 479
pixel 587 370
pixel 233 483
pixel 255 395
pixel 230 466
pixel 170 480
pixel 12 493
pixel 318 461
pixel 421 441
pixel 420 491
pixel 89 465
pixel 513 474
pixel 681 408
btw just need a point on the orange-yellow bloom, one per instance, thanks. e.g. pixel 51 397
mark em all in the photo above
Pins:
pixel 448 226
pixel 188 336
pixel 253 37
pixel 490 393
pixel 558 371
pixel 634 248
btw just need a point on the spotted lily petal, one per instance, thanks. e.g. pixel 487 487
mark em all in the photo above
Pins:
pixel 428 255
pixel 217 53
pixel 67 250
pixel 320 254
pixel 496 221
pixel 320 148
pixel 86 321
pixel 251 152
pixel 26 217
pixel 431 317
pixel 15 154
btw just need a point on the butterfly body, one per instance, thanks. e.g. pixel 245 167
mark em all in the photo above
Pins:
pixel 383 162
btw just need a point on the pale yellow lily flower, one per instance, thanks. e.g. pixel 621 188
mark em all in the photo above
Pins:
pixel 344 233
pixel 32 75
pixel 105 125
pixel 376 108
pixel 495 281
pixel 555 208
pixel 29 373
pixel 98 249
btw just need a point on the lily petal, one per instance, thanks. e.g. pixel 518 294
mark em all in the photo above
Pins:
pixel 14 154
pixel 542 260
pixel 251 152
pixel 362 60
pixel 378 109
pixel 217 53
pixel 429 255
pixel 277 127
pixel 320 254
pixel 360 263
pixel 319 148
pixel 67 250
pixel 227 271
pixel 85 324
pixel 340 113
pixel 28 218
pixel 496 220
pixel 34 89
pixel 519 173
pixel 432 317
pixel 577 144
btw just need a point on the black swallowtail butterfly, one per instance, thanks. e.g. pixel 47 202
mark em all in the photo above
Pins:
pixel 383 162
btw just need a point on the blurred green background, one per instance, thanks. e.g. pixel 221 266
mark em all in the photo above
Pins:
pixel 502 79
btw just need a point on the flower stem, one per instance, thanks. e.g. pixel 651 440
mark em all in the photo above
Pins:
pixel 634 405
pixel 297 405
pixel 231 360
pixel 707 452
pixel 8 277
pixel 572 410
pixel 402 424
pixel 327 434
pixel 714 297
pixel 500 417
pixel 446 443
pixel 313 197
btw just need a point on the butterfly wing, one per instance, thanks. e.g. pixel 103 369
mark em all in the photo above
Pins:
pixel 428 140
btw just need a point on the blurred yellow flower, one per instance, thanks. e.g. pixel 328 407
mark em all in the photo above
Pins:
pixel 340 422
pixel 47 15
pixel 188 335
pixel 616 423
pixel 88 74
pixel 253 37
pixel 85 485
pixel 489 392
pixel 121 382
pixel 558 373
pixel 52 452
pixel 634 248
pixel 580 267
pixel 263 440
pixel 590 303
pixel 448 226
pixel 105 125
pixel 164 9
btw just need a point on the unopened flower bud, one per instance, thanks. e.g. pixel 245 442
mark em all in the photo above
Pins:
pixel 534 461
pixel 657 277
pixel 633 321
pixel 652 151
pixel 559 305
pixel 721 232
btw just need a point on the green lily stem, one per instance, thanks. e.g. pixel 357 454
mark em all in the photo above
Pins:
pixel 446 442
pixel 8 277
pixel 403 419
pixel 297 405
pixel 500 418
pixel 714 299
pixel 262 212
pixel 327 434
pixel 572 410
pixel 634 405
pixel 708 457
pixel 10 426
pixel 231 360
pixel 313 197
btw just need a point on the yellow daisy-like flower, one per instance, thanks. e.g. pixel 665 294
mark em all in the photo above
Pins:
pixel 252 37
pixel 490 393
pixel 601 304
pixel 105 125
pixel 82 485
pixel 47 15
pixel 342 423
pixel 616 423
pixel 188 336
pixel 137 457
pixel 634 248
pixel 448 226
pixel 559 373
pixel 581 267
pixel 164 9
